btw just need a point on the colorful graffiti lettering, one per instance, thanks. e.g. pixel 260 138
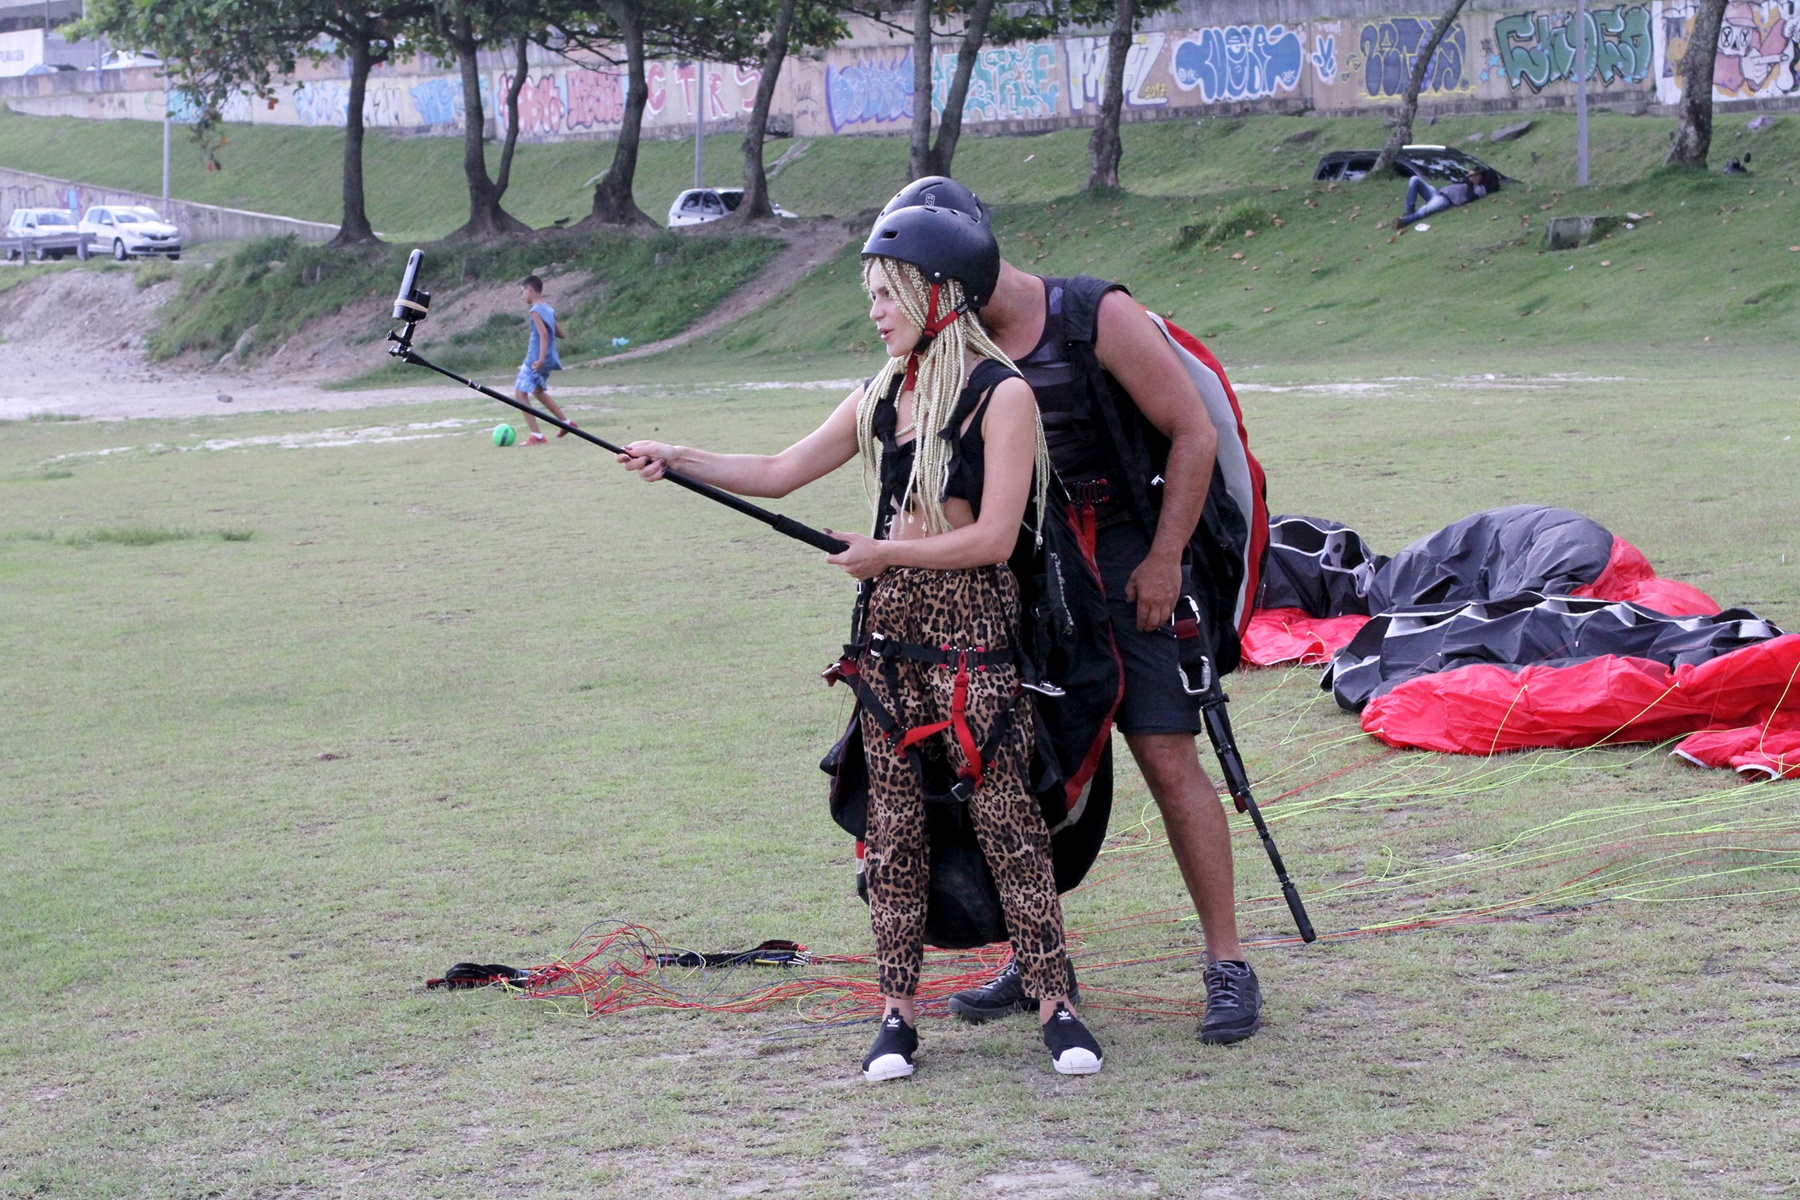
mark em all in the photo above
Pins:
pixel 1324 58
pixel 541 106
pixel 874 89
pixel 322 103
pixel 593 99
pixel 1087 71
pixel 1538 49
pixel 1008 83
pixel 1389 48
pixel 1238 62
pixel 439 101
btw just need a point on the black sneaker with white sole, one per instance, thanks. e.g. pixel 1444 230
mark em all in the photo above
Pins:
pixel 1073 1049
pixel 1002 996
pixel 1233 1004
pixel 892 1055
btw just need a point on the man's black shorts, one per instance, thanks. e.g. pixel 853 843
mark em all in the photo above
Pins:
pixel 1155 701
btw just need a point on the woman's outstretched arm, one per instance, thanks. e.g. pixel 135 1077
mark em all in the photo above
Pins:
pixel 817 454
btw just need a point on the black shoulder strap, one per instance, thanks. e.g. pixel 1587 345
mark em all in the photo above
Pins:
pixel 1081 305
pixel 1119 420
pixel 986 376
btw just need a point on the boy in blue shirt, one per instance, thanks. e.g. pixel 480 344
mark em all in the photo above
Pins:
pixel 540 357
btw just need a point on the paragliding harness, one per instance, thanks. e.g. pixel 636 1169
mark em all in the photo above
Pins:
pixel 1064 654
pixel 1226 548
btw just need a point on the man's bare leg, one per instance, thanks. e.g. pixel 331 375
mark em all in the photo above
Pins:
pixel 1198 831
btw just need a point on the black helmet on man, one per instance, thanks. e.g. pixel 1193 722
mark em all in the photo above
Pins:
pixel 944 243
pixel 938 191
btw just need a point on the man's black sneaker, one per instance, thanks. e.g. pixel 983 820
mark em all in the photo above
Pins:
pixel 1233 1004
pixel 1002 996
pixel 892 1055
pixel 1073 1049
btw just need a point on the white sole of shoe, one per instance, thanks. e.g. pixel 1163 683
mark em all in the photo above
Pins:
pixel 889 1066
pixel 1076 1061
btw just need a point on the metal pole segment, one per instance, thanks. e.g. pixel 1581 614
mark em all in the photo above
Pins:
pixel 1581 69
pixel 780 524
pixel 1218 728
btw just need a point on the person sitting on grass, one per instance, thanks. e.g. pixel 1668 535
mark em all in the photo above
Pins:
pixel 540 357
pixel 953 453
pixel 1422 199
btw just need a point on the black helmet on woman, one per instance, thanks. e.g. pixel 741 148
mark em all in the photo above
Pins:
pixel 944 243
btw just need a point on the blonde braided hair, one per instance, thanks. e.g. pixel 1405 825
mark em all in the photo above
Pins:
pixel 936 390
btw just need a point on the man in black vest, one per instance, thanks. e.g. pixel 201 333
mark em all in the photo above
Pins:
pixel 1109 385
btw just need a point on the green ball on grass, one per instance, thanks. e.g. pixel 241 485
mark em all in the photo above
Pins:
pixel 504 435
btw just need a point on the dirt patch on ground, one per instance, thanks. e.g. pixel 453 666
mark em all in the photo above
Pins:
pixel 72 343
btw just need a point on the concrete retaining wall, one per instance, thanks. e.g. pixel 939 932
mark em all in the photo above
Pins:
pixel 198 222
pixel 1206 56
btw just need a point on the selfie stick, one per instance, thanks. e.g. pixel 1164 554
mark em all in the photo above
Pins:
pixel 412 304
pixel 1237 780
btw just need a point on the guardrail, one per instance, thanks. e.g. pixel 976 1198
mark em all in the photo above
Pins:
pixel 198 222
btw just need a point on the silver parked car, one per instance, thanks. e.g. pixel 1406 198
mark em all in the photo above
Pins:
pixel 696 206
pixel 125 230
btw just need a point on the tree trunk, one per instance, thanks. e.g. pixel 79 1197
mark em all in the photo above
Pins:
pixel 486 217
pixel 613 202
pixel 512 117
pixel 1692 141
pixel 755 205
pixel 950 125
pixel 1409 103
pixel 355 229
pixel 1104 147
pixel 919 162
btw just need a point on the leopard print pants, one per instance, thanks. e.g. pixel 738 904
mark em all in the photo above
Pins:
pixel 972 608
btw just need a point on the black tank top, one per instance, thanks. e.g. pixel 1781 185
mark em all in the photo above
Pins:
pixel 1076 450
pixel 968 470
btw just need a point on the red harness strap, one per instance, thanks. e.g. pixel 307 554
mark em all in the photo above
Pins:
pixel 957 724
pixel 935 324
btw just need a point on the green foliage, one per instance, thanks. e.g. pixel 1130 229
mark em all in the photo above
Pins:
pixel 1244 217
pixel 641 288
pixel 153 271
pixel 131 535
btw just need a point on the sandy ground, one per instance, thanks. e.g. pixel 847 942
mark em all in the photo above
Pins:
pixel 71 343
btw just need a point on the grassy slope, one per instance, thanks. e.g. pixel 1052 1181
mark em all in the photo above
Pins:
pixel 556 696
pixel 1709 271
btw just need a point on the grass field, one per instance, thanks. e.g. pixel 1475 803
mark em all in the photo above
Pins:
pixel 301 708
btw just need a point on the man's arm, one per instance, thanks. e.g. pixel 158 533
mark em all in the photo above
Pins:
pixel 1131 347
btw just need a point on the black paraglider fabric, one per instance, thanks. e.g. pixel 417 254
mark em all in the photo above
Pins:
pixel 1320 567
pixel 474 975
pixel 1493 555
pixel 1523 629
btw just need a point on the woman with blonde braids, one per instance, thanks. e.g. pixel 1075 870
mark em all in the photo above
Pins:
pixel 954 457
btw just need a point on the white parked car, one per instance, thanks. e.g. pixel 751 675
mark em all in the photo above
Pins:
pixel 123 230
pixel 696 206
pixel 42 233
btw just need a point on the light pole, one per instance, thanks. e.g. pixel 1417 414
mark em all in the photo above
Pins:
pixel 1581 63
pixel 165 207
pixel 699 123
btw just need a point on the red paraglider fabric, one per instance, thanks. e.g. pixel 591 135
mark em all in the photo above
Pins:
pixel 1486 709
pixel 1629 576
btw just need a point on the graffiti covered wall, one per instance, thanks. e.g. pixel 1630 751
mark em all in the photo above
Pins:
pixel 1501 58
